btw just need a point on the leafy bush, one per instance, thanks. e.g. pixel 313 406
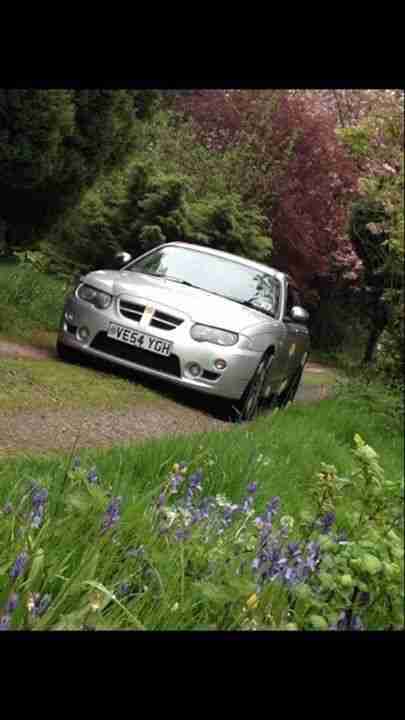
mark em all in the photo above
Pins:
pixel 76 556
pixel 140 207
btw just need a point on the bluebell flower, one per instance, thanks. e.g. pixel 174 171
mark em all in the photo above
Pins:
pixel 252 487
pixel 356 623
pixel 124 589
pixel 291 576
pixel 364 598
pixel 38 605
pixel 5 622
pixel 12 603
pixel 176 482
pixel 182 535
pixel 19 566
pixel 76 463
pixel 274 505
pixel 161 500
pixel 39 497
pixel 37 516
pixel 327 521
pixel 313 557
pixel 195 482
pixel 294 550
pixel 92 476
pixel 112 514
pixel 247 505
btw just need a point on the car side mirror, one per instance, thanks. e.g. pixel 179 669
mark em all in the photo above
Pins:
pixel 121 259
pixel 299 315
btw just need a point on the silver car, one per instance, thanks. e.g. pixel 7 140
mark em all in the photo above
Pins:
pixel 198 317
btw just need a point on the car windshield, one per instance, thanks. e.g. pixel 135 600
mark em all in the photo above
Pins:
pixel 214 274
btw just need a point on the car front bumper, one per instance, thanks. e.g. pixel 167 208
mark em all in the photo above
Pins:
pixel 230 383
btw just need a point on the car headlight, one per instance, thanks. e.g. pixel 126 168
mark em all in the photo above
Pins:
pixel 205 333
pixel 98 298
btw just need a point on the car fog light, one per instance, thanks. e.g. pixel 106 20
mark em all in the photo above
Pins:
pixel 220 364
pixel 83 333
pixel 194 369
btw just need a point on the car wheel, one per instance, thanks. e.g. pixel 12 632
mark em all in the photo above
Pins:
pixel 290 392
pixel 66 353
pixel 247 407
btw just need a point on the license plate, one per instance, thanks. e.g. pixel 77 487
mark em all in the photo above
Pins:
pixel 139 339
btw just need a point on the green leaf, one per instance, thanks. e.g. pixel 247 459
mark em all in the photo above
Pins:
pixel 318 622
pixel 111 596
pixel 36 568
pixel 371 564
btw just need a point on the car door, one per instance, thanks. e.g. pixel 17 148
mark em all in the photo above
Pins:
pixel 297 336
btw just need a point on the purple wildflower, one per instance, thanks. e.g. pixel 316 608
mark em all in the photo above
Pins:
pixel 112 515
pixel 182 535
pixel 247 504
pixel 356 623
pixel 161 500
pixel 5 622
pixel 195 482
pixel 176 482
pixel 124 589
pixel 38 605
pixel 346 623
pixel 252 487
pixel 92 476
pixel 313 557
pixel 39 497
pixel 76 463
pixel 37 516
pixel 327 521
pixel 12 603
pixel 274 505
pixel 19 566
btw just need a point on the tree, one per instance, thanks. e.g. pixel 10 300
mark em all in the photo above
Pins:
pixel 283 154
pixel 53 146
pixel 377 222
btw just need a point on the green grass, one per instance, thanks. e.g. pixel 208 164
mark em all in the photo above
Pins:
pixel 293 443
pixel 31 303
pixel 176 588
pixel 39 384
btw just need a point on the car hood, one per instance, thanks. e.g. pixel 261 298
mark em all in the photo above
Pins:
pixel 198 305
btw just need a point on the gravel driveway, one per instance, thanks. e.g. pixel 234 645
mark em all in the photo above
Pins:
pixel 44 430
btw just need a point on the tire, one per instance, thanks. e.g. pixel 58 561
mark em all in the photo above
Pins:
pixel 66 353
pixel 290 392
pixel 248 406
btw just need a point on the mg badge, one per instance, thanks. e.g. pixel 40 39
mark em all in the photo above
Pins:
pixel 148 313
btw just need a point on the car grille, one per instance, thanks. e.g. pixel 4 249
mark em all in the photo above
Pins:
pixel 161 320
pixel 207 375
pixel 133 311
pixel 169 365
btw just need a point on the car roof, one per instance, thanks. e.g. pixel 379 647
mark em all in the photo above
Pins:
pixel 230 256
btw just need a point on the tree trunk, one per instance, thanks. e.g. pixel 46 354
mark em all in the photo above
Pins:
pixel 379 322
